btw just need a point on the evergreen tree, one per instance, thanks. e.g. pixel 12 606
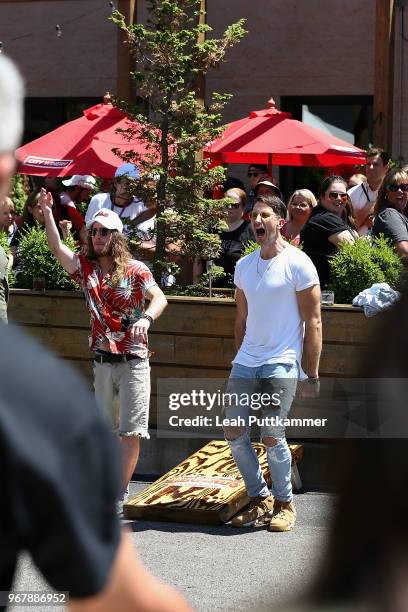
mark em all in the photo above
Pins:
pixel 172 52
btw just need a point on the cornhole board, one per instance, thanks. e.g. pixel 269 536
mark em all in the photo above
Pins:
pixel 205 488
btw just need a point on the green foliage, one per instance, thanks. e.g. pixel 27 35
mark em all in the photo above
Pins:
pixel 250 247
pixel 19 191
pixel 357 266
pixel 37 261
pixel 173 52
pixel 4 242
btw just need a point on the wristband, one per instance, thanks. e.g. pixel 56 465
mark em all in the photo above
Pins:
pixel 148 317
pixel 314 380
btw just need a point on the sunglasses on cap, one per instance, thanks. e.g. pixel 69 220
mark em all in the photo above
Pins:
pixel 333 195
pixel 396 187
pixel 103 231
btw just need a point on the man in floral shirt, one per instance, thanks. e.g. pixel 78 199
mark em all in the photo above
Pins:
pixel 115 288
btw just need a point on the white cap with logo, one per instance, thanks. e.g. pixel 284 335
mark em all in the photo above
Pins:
pixel 107 218
pixel 77 180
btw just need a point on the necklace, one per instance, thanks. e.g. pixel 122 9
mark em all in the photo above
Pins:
pixel 267 266
pixel 123 208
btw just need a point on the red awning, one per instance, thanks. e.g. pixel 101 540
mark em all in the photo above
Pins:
pixel 82 146
pixel 270 136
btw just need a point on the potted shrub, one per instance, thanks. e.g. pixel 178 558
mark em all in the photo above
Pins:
pixel 358 266
pixel 37 267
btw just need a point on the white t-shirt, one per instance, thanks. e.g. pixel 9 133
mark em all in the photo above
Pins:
pixel 359 199
pixel 274 329
pixel 102 200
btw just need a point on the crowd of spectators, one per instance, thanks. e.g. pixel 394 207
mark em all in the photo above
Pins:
pixel 368 205
pixel 365 205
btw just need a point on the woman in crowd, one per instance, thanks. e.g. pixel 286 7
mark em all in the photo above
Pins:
pixel 330 223
pixel 300 206
pixel 7 218
pixel 233 239
pixel 390 208
pixel 32 216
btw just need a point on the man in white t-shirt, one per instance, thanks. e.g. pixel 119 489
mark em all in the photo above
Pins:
pixel 278 318
pixel 120 200
pixel 364 195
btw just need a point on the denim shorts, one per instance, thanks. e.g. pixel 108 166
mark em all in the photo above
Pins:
pixel 128 381
pixel 252 386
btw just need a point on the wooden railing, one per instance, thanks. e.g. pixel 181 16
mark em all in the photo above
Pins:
pixel 192 339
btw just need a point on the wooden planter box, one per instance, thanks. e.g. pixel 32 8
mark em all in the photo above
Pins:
pixel 192 339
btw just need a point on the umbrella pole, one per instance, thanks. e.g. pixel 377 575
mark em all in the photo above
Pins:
pixel 270 164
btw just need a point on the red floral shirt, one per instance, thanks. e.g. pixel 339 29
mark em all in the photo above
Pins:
pixel 112 309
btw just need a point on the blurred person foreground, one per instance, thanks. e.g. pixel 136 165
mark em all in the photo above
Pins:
pixel 61 512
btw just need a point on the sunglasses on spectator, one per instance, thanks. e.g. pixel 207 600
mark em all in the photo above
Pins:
pixel 264 215
pixel 103 231
pixel 396 187
pixel 253 174
pixel 302 205
pixel 233 205
pixel 333 195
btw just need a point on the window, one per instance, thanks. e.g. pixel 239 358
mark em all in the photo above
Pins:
pixel 347 117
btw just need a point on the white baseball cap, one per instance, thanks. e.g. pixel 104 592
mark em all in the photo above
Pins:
pixel 107 218
pixel 73 181
pixel 87 181
pixel 128 170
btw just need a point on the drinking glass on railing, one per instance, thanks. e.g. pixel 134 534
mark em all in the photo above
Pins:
pixel 327 298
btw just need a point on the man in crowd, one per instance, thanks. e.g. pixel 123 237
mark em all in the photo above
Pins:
pixel 278 314
pixel 255 173
pixel 364 195
pixel 77 189
pixel 121 199
pixel 115 287
pixel 59 467
pixel 267 187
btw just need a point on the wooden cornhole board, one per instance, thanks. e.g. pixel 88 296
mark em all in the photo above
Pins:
pixel 205 488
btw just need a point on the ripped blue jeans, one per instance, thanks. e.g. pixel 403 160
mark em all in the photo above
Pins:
pixel 277 380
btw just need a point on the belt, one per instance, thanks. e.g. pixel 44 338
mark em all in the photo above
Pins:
pixel 113 358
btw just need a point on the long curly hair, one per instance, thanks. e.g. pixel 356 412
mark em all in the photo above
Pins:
pixel 119 251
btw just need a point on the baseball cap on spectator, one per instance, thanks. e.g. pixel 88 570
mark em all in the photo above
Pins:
pixel 128 170
pixel 268 183
pixel 87 181
pixel 107 218
pixel 73 181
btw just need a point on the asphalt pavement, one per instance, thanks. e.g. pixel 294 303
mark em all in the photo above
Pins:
pixel 221 567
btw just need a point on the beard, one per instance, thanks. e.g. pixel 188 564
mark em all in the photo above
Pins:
pixel 103 251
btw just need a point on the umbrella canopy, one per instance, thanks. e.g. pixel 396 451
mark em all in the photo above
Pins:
pixel 270 136
pixel 82 146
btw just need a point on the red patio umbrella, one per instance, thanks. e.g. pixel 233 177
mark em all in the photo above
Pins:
pixel 271 136
pixel 82 146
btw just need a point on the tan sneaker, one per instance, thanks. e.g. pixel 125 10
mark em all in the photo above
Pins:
pixel 258 513
pixel 284 516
